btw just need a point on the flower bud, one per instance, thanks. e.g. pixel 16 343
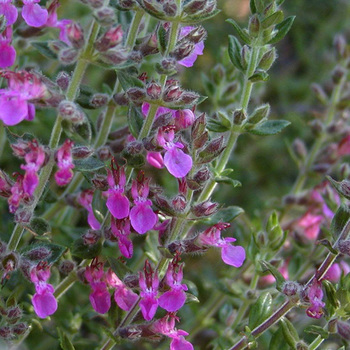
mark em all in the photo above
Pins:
pixel 23 215
pixel 196 35
pixel 184 118
pixel 343 329
pixel 134 147
pixel 163 204
pixel 121 99
pixel 111 38
pixel 260 113
pixel 99 100
pixel 5 332
pixel 10 262
pixel 39 253
pixel 254 26
pixel 14 314
pixel 198 127
pixel 182 51
pixel 239 116
pixel 104 153
pixel 189 97
pixel 105 16
pixel 170 8
pixel 340 45
pixel 96 3
pixel 153 90
pixel 126 4
pixel 5 185
pixel 202 175
pixel 267 59
pixel 206 208
pixel 167 66
pixel 172 93
pixel 114 56
pixel 319 93
pixel 20 328
pixel 214 147
pixel 82 152
pixel 131 281
pixel 66 267
pixel 338 74
pixel 68 56
pixel 179 203
pixel 20 148
pixel 100 182
pixel 195 6
pixel 184 247
pixel 136 94
pixel 70 111
pixel 91 237
pixel 291 288
pixel 344 246
pixel 299 148
pixel 63 80
pixel 300 345
pixel 75 34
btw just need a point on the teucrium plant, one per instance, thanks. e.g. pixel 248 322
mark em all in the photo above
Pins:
pixel 122 190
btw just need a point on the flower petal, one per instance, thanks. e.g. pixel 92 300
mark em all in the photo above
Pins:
pixel 118 205
pixel 13 110
pixel 44 304
pixel 142 218
pixel 34 15
pixel 233 255
pixel 177 162
pixel 172 300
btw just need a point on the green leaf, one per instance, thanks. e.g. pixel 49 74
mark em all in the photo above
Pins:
pixel 331 294
pixel 120 269
pixel 14 138
pixel 200 18
pixel 162 43
pixel 216 126
pixel 252 6
pixel 228 181
pixel 282 30
pixel 90 164
pixel 65 342
pixel 85 95
pixel 277 341
pixel 269 127
pixel 127 80
pixel 208 84
pixel 340 219
pixel 135 121
pixel 44 48
pixel 289 332
pixel 55 249
pixel 39 226
pixel 273 19
pixel 190 298
pixel 260 310
pixel 84 251
pixel 259 75
pixel 317 330
pixel 266 266
pixel 245 37
pixel 343 187
pixel 328 245
pixel 234 52
pixel 224 215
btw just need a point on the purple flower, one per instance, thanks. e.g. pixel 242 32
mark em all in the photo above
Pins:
pixel 198 49
pixel 7 52
pixel 184 118
pixel 142 217
pixel 99 298
pixel 33 14
pixel 149 284
pixel 43 300
pixel 175 298
pixel 17 194
pixel 65 164
pixel 166 326
pixel 9 11
pixel 123 296
pixel 176 161
pixel 315 295
pixel 117 203
pixel 85 199
pixel 155 159
pixel 230 254
pixel 22 87
pixel 121 230
pixel 160 111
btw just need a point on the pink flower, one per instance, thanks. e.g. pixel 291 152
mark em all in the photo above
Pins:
pixel 65 164
pixel 336 270
pixel 18 194
pixel 166 326
pixel 121 230
pixel 176 161
pixel 155 159
pixel 9 11
pixel 7 52
pixel 43 300
pixel 123 296
pixel 184 118
pixel 160 111
pixel 99 298
pixel 311 224
pixel 149 284
pixel 117 203
pixel 175 298
pixel 85 199
pixel 315 295
pixel 198 49
pixel 230 254
pixel 142 217
pixel 33 14
pixel 23 87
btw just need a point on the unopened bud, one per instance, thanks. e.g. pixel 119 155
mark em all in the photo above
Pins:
pixel 19 328
pixel 20 148
pixel 184 247
pixel 70 111
pixel 189 97
pixel 184 118
pixel 104 153
pixel 182 51
pixel 66 267
pixel 163 204
pixel 179 202
pixel 134 147
pixel 14 314
pixel 215 146
pixel 170 8
pixel 340 45
pixel 10 262
pixel 267 59
pixel 172 93
pixel 5 332
pixel 39 253
pixel 96 3
pixel 195 6
pixel 239 116
pixel 344 330
pixel 167 66
pixel 291 288
pixel 198 127
pixel 136 94
pixel 99 100
pixel 337 74
pixel 5 186
pixel 68 56
pixel 300 345
pixel 206 208
pixel 202 175
pixel 91 237
pixel 254 25
pixel 105 16
pixel 126 4
pixel 114 56
pixel 111 38
pixel 153 90
pixel 23 216
pixel 299 148
pixel 100 182
pixel 316 127
pixel 82 152
pixel 121 99
pixel 260 113
pixel 319 93
pixel 75 35
pixel 63 80
pixel 344 246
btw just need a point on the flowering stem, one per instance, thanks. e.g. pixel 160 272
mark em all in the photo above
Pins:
pixel 2 138
pixel 336 95
pixel 316 343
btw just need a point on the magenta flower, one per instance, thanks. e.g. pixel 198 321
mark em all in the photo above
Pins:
pixel 65 164
pixel 43 301
pixel 166 326
pixel 230 254
pixel 35 159
pixel 335 271
pixel 142 217
pixel 315 295
pixel 18 194
pixel 175 298
pixel 117 203
pixel 198 49
pixel 149 284
pixel 99 298
pixel 176 161
pixel 155 159
pixel 310 223
pixel 85 199
pixel 160 111
pixel 23 87
pixel 8 10
pixel 121 230
pixel 33 14
pixel 7 52
pixel 184 118
pixel 123 296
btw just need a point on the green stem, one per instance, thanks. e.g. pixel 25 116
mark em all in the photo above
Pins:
pixel 134 27
pixel 316 343
pixel 2 138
